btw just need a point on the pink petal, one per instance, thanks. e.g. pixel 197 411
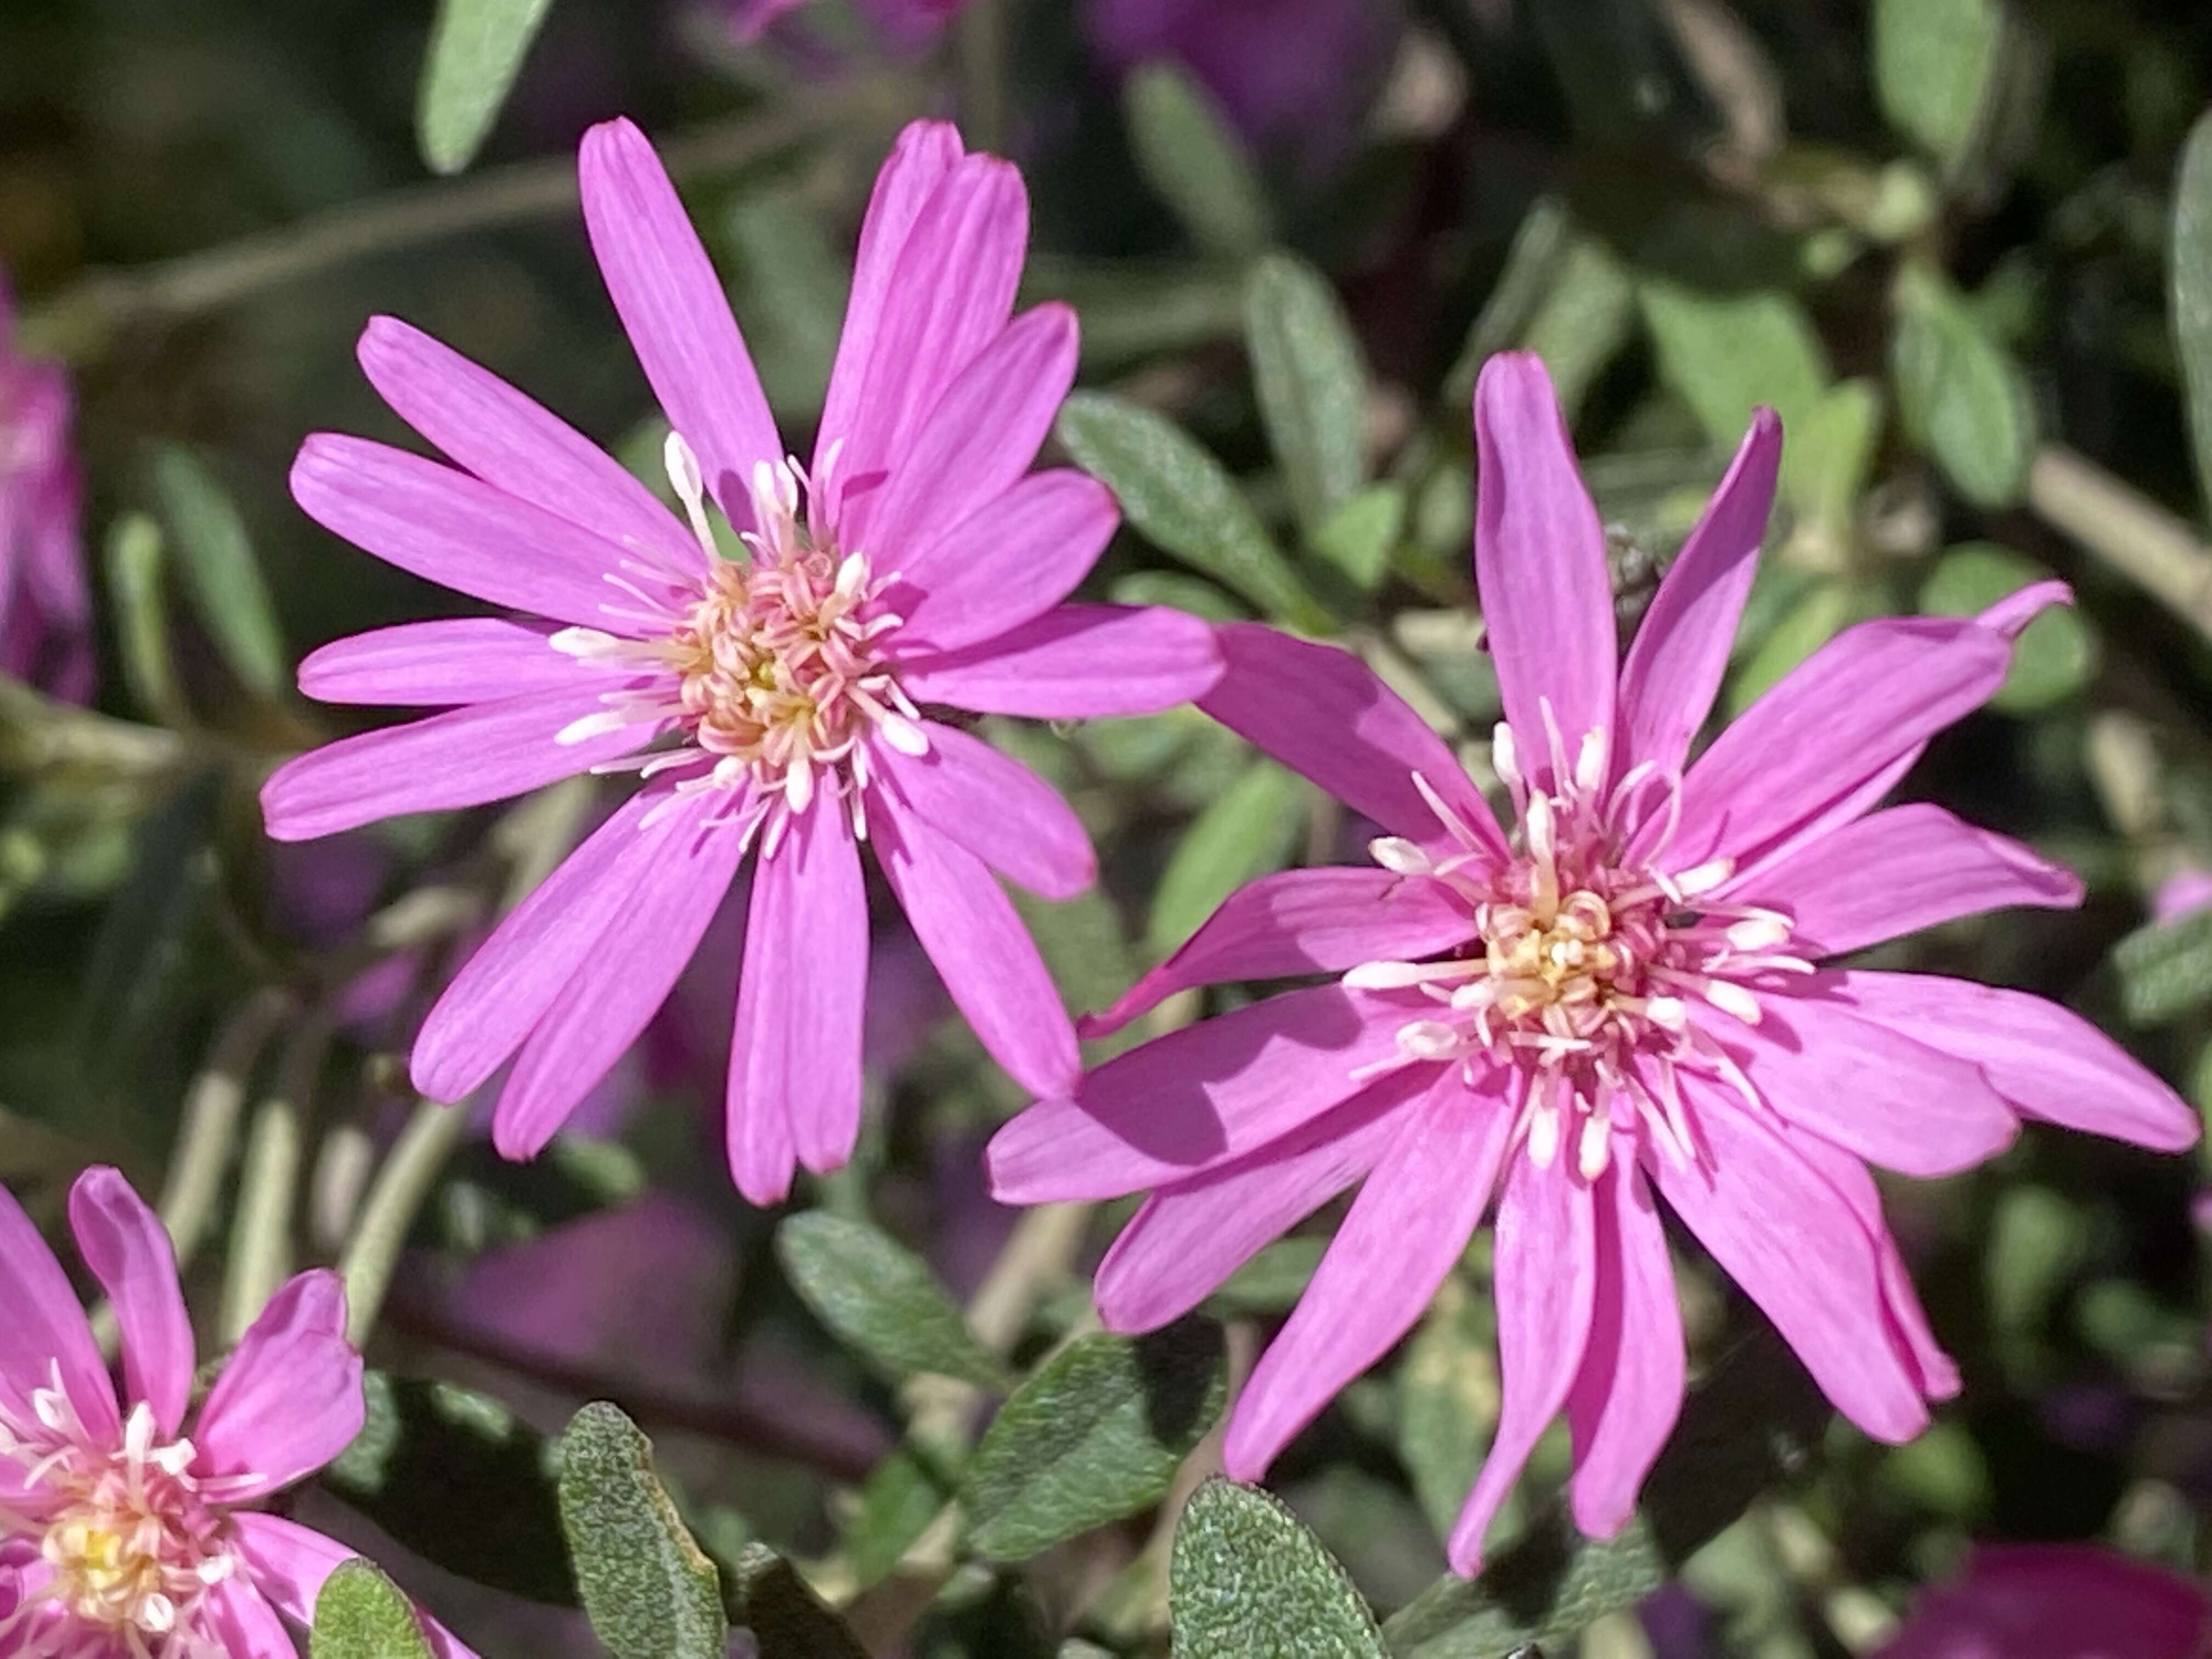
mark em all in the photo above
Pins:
pixel 44 1327
pixel 1795 1247
pixel 2049 1063
pixel 1629 1390
pixel 128 1252
pixel 246 1624
pixel 456 530
pixel 981 951
pixel 445 663
pixel 1322 713
pixel 1076 662
pixel 504 438
pixel 288 1562
pixel 996 808
pixel 463 757
pixel 1007 563
pixel 1681 648
pixel 1302 921
pixel 1896 871
pixel 1197 1098
pixel 289 1399
pixel 1185 1240
pixel 795 1057
pixel 1868 1088
pixel 674 310
pixel 621 982
pixel 1539 563
pixel 1546 1289
pixel 2056 1602
pixel 1403 1234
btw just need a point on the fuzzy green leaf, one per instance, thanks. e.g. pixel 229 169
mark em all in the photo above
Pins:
pixel 1312 384
pixel 649 1589
pixel 1935 62
pixel 1361 535
pixel 1962 397
pixel 1194 162
pixel 787 1619
pixel 1728 354
pixel 1250 830
pixel 135 553
pixel 477 49
pixel 2192 292
pixel 362 1614
pixel 1448 1399
pixel 881 1299
pixel 1248 1582
pixel 2165 968
pixel 222 579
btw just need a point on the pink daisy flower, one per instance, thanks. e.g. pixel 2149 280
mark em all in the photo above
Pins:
pixel 2057 1601
pixel 122 1537
pixel 45 610
pixel 1620 997
pixel 771 703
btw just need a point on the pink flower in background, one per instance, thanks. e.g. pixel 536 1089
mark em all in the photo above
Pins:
pixel 45 611
pixel 1619 998
pixel 2057 1601
pixel 769 702
pixel 121 1537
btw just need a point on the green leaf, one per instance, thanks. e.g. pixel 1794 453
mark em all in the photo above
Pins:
pixel 1194 162
pixel 1250 830
pixel 785 1617
pixel 1962 397
pixel 881 1299
pixel 135 553
pixel 1312 384
pixel 1586 316
pixel 1135 309
pixel 649 1589
pixel 362 1614
pixel 2164 968
pixel 1249 1582
pixel 1184 501
pixel 1172 587
pixel 1935 68
pixel 1360 536
pixel 789 285
pixel 2192 292
pixel 1728 354
pixel 1822 613
pixel 1271 1281
pixel 477 48
pixel 901 1499
pixel 222 579
pixel 462 1481
pixel 1830 453
pixel 1096 1434
pixel 1448 1399
pixel 2056 655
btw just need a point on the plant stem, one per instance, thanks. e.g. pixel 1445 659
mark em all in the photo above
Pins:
pixel 268 1189
pixel 212 1110
pixel 2116 522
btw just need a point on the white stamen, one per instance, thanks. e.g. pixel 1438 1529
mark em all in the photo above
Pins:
pixel 1732 1000
pixel 1505 758
pixel 592 725
pixel 1543 1137
pixel 1396 853
pixel 1594 1146
pixel 1702 878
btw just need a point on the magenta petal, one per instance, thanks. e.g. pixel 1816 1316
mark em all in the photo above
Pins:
pixel 1681 649
pixel 44 1327
pixel 1197 1098
pixel 1539 563
pixel 1322 713
pixel 246 1624
pixel 289 1399
pixel 674 310
pixel 1866 1087
pixel 1896 871
pixel 2049 1063
pixel 456 530
pixel 463 757
pixel 1076 662
pixel 1796 1248
pixel 981 951
pixel 1007 563
pixel 2056 1602
pixel 1302 921
pixel 1185 1240
pixel 505 438
pixel 128 1252
pixel 288 1562
pixel 1629 1390
pixel 1546 1288
pixel 996 808
pixel 445 664
pixel 1403 1234
pixel 795 1055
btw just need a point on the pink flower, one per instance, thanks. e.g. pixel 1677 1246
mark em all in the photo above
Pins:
pixel 919 563
pixel 121 1537
pixel 1619 998
pixel 2059 1602
pixel 45 611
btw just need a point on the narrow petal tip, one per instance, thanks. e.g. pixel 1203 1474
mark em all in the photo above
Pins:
pixel 2009 615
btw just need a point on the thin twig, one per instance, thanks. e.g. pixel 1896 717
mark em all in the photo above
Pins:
pixel 212 1110
pixel 261 1253
pixel 2119 524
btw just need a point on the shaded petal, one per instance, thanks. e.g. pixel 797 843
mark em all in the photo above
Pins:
pixel 456 530
pixel 44 1327
pixel 2046 1061
pixel 128 1252
pixel 290 1400
pixel 996 808
pixel 795 1053
pixel 288 1562
pixel 981 951
pixel 2055 1602
pixel 1007 563
pixel 1629 1390
pixel 674 310
pixel 1076 662
pixel 1546 1289
pixel 505 438
pixel 1796 1248
pixel 1896 871
pixel 1196 1098
pixel 1539 563
pixel 1681 647
pixel 1185 1240
pixel 1403 1234
pixel 463 757
pixel 246 1624
pixel 1322 713
pixel 445 663
pixel 1302 921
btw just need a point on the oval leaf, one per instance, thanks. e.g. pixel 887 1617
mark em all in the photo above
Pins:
pixel 1249 1582
pixel 477 48
pixel 362 1614
pixel 222 579
pixel 1194 163
pixel 881 1299
pixel 1962 398
pixel 649 1589
pixel 1311 381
